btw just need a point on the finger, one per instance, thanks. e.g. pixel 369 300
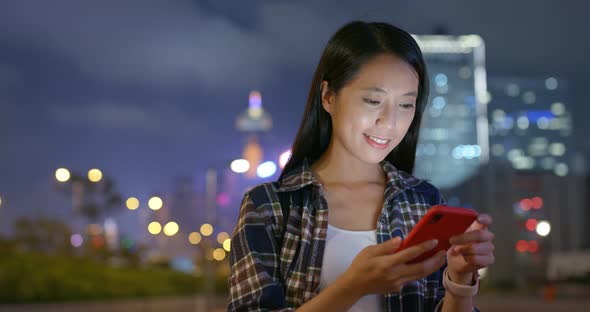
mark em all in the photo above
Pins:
pixel 475 249
pixel 484 219
pixel 386 248
pixel 482 222
pixel 408 254
pixel 424 268
pixel 471 237
pixel 411 253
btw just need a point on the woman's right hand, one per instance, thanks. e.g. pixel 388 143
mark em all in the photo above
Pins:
pixel 378 269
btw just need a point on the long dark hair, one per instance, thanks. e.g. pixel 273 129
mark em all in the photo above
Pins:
pixel 351 47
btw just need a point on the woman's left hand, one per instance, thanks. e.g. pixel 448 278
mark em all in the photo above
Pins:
pixel 471 251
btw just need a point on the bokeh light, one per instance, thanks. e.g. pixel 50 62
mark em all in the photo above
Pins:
pixel 221 237
pixel 94 175
pixel 194 238
pixel 227 244
pixel 219 254
pixel 206 229
pixel 240 166
pixel 77 240
pixel 531 224
pixel 132 203
pixel 266 169
pixel 171 228
pixel 223 200
pixel 522 246
pixel 62 174
pixel 537 202
pixel 533 246
pixel 526 204
pixel 155 228
pixel 155 203
pixel 543 228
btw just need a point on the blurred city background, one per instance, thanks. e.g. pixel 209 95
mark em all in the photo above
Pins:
pixel 129 132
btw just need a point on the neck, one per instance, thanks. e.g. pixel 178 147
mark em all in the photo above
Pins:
pixel 337 165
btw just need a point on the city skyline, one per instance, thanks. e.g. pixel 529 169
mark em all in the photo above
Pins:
pixel 147 105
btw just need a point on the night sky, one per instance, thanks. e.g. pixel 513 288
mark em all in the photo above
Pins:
pixel 149 90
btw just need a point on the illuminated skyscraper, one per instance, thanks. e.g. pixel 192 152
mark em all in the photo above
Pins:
pixel 255 120
pixel 454 135
pixel 530 124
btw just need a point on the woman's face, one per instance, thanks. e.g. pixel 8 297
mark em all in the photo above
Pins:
pixel 372 113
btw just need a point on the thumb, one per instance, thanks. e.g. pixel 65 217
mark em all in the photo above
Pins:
pixel 482 222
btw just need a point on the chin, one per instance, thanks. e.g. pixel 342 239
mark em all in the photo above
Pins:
pixel 373 158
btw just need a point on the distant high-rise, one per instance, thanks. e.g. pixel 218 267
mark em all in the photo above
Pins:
pixel 454 135
pixel 530 124
pixel 255 120
pixel 186 205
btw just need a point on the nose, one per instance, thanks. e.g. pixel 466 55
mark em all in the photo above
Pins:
pixel 386 119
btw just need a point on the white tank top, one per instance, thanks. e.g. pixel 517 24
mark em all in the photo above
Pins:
pixel 340 249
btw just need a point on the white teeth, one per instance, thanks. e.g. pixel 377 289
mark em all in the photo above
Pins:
pixel 378 140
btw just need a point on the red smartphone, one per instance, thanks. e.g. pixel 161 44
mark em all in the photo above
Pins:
pixel 441 222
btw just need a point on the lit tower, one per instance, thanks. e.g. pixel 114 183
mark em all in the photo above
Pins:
pixel 252 122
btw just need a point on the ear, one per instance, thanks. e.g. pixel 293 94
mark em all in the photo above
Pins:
pixel 327 97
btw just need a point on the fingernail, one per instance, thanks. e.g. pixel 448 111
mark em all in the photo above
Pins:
pixel 433 243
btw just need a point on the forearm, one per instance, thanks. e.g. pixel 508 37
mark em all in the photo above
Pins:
pixel 339 296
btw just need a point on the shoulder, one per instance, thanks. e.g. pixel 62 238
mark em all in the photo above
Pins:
pixel 422 187
pixel 262 194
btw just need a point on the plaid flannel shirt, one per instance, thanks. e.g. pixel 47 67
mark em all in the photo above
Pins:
pixel 278 269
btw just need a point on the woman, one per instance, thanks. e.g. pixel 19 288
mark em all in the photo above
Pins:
pixel 324 236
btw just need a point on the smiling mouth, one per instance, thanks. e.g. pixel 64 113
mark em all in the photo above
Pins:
pixel 377 140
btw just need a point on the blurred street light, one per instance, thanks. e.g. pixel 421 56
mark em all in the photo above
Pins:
pixel 194 238
pixel 240 166
pixel 266 169
pixel 219 254
pixel 227 244
pixel 155 203
pixel 154 228
pixel 221 237
pixel 543 228
pixel 76 240
pixel 206 229
pixel 132 203
pixel 62 174
pixel 94 175
pixel 171 228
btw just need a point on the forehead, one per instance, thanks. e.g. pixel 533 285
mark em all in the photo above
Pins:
pixel 388 72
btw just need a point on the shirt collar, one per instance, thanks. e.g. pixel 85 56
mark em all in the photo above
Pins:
pixel 302 176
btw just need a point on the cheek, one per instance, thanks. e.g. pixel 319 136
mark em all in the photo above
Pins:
pixel 355 119
pixel 407 121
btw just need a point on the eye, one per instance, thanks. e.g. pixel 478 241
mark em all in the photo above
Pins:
pixel 407 105
pixel 371 102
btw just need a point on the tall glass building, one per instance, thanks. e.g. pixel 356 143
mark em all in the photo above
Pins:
pixel 454 136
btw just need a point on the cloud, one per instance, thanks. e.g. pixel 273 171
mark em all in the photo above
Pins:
pixel 149 42
pixel 10 75
pixel 164 120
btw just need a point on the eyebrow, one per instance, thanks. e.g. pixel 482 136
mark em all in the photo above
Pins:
pixel 377 89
